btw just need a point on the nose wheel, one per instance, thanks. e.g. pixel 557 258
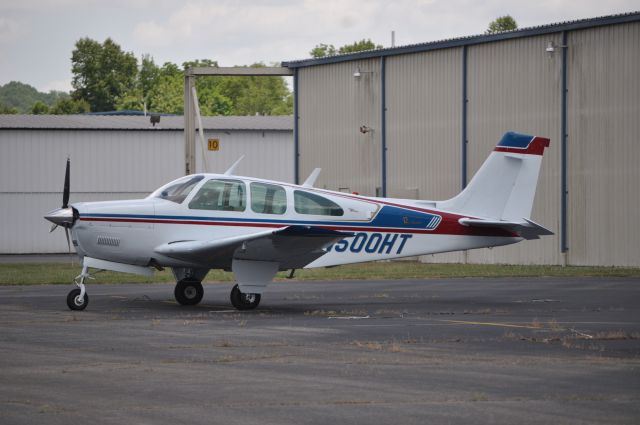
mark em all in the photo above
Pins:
pixel 74 302
pixel 243 301
pixel 78 299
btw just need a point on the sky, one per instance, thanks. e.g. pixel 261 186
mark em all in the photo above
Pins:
pixel 38 36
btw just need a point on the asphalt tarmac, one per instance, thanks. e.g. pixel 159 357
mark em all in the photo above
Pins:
pixel 457 351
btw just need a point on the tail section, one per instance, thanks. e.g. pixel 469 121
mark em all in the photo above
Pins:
pixel 504 187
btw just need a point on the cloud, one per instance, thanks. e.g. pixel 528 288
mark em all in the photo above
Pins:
pixel 11 30
pixel 58 85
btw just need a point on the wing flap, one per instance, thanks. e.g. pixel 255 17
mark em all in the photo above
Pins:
pixel 527 229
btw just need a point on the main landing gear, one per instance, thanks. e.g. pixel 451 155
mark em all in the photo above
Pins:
pixel 188 292
pixel 243 301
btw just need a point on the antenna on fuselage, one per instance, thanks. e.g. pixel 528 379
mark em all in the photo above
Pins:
pixel 231 169
pixel 310 181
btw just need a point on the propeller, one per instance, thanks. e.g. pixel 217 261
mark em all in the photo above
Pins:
pixel 65 193
pixel 63 216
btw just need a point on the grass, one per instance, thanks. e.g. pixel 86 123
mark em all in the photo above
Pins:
pixel 63 273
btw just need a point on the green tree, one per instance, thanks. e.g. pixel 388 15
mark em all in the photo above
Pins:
pixel 359 46
pixel 8 110
pixel 20 96
pixel 323 50
pixel 39 108
pixel 503 23
pixel 70 106
pixel 102 73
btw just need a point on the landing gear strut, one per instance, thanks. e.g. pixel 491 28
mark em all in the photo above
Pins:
pixel 77 299
pixel 188 292
pixel 243 301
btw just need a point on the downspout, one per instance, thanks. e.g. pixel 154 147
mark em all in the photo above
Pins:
pixel 383 125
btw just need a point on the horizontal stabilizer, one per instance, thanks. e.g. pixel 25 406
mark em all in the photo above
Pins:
pixel 526 228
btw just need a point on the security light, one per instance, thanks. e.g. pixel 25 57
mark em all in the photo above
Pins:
pixel 155 119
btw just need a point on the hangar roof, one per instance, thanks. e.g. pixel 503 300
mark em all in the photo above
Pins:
pixel 113 122
pixel 470 40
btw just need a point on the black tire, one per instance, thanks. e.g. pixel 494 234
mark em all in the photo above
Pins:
pixel 72 300
pixel 188 292
pixel 243 301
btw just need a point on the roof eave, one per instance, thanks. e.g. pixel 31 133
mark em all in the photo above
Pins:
pixel 468 41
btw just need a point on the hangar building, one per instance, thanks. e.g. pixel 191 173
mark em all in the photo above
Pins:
pixel 117 157
pixel 417 121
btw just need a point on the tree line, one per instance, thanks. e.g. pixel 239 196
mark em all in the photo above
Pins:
pixel 106 78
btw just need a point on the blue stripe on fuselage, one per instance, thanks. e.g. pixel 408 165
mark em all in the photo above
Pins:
pixel 388 216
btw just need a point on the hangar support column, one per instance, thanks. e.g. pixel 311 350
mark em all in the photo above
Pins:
pixel 189 109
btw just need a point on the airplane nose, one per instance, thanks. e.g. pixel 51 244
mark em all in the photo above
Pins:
pixel 61 217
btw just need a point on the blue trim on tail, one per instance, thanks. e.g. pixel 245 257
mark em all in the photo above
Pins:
pixel 515 140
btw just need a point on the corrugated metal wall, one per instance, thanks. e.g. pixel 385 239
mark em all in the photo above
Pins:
pixel 108 165
pixel 104 165
pixel 511 85
pixel 515 85
pixel 604 151
pixel 267 154
pixel 424 107
pixel 332 107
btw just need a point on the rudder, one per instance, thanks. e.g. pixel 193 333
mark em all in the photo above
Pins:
pixel 504 187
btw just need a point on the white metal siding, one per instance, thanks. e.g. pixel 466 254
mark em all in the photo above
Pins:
pixel 333 105
pixel 515 85
pixel 604 152
pixel 267 154
pixel 107 165
pixel 424 93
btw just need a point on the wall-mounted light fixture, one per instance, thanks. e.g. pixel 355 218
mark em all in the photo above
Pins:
pixel 358 73
pixel 552 46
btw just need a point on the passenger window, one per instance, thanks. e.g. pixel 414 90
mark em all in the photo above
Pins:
pixel 268 198
pixel 220 195
pixel 310 203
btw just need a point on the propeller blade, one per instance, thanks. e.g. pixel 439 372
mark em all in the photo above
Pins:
pixel 65 193
pixel 53 227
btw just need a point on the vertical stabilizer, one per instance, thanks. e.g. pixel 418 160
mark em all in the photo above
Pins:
pixel 505 185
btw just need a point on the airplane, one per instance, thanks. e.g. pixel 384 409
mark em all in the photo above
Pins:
pixel 255 227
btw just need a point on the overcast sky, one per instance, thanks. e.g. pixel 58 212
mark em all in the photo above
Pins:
pixel 37 36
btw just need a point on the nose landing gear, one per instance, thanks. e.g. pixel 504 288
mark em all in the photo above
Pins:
pixel 78 299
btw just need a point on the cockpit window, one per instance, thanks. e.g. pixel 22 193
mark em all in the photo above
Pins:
pixel 178 190
pixel 220 195
pixel 310 203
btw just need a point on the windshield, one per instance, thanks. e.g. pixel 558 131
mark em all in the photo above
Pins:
pixel 177 190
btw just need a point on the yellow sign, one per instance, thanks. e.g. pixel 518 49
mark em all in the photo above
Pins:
pixel 214 144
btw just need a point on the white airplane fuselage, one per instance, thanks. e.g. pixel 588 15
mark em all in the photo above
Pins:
pixel 129 231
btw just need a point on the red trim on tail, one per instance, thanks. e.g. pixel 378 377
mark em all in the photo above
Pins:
pixel 535 147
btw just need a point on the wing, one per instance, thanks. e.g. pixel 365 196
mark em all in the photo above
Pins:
pixel 291 247
pixel 526 229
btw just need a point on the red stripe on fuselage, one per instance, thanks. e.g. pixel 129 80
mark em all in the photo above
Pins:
pixel 446 227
